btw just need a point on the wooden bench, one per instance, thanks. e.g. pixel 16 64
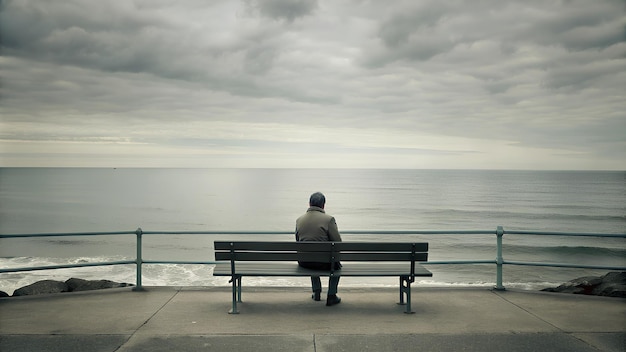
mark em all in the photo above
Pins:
pixel 361 259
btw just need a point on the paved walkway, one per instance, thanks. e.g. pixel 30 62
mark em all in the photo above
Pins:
pixel 286 319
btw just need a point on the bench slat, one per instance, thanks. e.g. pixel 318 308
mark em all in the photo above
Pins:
pixel 382 247
pixel 293 269
pixel 320 256
pixel 274 256
pixel 375 257
pixel 272 246
pixel 320 246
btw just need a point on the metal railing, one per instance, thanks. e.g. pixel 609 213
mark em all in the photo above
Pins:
pixel 499 261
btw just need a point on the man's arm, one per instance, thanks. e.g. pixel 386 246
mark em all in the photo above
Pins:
pixel 333 231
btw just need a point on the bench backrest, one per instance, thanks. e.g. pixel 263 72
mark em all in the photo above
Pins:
pixel 320 251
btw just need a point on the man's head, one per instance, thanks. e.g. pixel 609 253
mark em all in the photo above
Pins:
pixel 317 200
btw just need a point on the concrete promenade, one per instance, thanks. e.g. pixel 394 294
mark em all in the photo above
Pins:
pixel 286 319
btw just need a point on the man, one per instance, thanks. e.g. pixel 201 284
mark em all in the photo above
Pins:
pixel 316 225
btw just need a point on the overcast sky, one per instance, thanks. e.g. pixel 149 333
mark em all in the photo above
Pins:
pixel 298 83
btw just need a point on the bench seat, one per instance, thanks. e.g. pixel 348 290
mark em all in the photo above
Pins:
pixel 359 259
pixel 293 269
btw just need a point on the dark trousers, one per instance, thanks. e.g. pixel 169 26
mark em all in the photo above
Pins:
pixel 316 283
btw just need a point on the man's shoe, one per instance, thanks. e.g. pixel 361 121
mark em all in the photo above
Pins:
pixel 331 300
pixel 316 296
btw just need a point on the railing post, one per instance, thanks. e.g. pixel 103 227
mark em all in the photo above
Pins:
pixel 499 259
pixel 139 260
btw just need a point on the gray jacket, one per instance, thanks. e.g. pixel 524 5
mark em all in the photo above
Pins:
pixel 316 225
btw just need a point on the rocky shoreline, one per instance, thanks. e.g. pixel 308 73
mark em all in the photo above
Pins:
pixel 71 285
pixel 612 284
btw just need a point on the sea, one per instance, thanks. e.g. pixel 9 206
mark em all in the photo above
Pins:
pixel 68 200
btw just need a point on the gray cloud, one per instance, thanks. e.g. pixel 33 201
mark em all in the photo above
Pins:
pixel 421 31
pixel 398 29
pixel 442 76
pixel 288 10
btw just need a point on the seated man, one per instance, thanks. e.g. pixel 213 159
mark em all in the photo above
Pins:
pixel 316 225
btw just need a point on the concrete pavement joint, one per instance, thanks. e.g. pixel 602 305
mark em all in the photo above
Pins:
pixel 150 318
pixel 499 294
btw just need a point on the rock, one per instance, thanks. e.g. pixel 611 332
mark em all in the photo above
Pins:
pixel 71 285
pixel 75 284
pixel 582 285
pixel 614 291
pixel 41 287
pixel 3 294
pixel 612 284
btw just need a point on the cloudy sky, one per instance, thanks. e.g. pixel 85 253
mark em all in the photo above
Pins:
pixel 490 84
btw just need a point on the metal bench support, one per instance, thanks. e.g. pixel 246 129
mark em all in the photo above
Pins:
pixel 236 282
pixel 405 290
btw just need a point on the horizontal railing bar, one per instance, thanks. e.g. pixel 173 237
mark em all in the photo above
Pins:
pixel 459 262
pixel 218 232
pixel 179 262
pixel 564 265
pixel 28 235
pixel 66 266
pixel 347 232
pixel 420 263
pixel 127 262
pixel 573 234
pixel 420 232
pixel 343 232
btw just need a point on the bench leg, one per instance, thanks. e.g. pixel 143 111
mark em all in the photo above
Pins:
pixel 401 291
pixel 236 281
pixel 239 289
pixel 405 290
